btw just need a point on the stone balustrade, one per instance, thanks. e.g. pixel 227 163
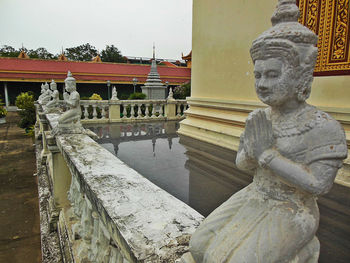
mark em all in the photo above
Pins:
pixel 104 211
pixel 94 109
pixel 131 110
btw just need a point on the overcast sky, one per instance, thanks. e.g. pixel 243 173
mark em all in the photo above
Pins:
pixel 131 25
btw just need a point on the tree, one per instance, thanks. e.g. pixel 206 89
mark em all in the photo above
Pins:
pixel 111 54
pixel 41 53
pixel 8 51
pixel 183 91
pixel 83 52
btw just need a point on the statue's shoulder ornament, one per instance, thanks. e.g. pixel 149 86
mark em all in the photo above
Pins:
pixel 326 140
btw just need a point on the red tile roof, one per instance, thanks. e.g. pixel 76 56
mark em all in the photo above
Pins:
pixel 37 70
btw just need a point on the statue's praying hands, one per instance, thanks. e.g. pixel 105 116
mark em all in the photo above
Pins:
pixel 258 136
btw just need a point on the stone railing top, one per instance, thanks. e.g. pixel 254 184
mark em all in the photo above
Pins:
pixel 154 224
pixel 141 101
pixel 90 102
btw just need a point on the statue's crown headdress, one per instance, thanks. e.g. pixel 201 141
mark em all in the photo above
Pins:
pixel 69 77
pixel 53 83
pixel 286 37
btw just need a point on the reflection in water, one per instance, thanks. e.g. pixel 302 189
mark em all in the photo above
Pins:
pixel 204 176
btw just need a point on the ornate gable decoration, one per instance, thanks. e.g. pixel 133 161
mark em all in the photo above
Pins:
pixel 330 20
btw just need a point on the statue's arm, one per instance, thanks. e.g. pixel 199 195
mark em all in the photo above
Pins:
pixel 73 101
pixel 316 178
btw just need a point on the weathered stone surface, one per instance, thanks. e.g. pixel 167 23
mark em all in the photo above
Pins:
pixel 69 121
pixel 294 149
pixel 52 106
pixel 45 96
pixel 145 223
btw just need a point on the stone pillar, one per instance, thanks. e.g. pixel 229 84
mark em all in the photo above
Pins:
pixel 114 111
pixel 60 175
pixel 170 109
pixel 7 103
pixel 60 180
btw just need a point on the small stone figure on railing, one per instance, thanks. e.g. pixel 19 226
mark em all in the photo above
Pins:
pixel 114 94
pixel 52 106
pixel 171 94
pixel 69 121
pixel 45 96
pixel 294 149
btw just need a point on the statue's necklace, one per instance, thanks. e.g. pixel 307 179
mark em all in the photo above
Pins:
pixel 295 124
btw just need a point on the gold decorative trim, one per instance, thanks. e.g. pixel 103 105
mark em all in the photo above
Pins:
pixel 330 20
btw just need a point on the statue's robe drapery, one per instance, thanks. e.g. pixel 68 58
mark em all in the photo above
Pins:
pixel 271 220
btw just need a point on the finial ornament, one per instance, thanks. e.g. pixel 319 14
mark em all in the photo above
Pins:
pixel 154 51
pixel 293 149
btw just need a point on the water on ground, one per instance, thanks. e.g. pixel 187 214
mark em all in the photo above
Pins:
pixel 204 176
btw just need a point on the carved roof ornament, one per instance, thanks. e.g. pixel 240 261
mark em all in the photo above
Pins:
pixel 62 57
pixel 96 59
pixel 23 54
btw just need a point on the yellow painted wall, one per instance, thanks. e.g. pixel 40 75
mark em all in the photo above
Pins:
pixel 221 65
pixel 223 90
pixel 331 92
pixel 221 38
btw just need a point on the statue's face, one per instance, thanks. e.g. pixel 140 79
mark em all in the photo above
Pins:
pixel 274 83
pixel 70 86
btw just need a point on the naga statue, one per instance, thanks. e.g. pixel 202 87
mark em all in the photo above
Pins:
pixel 294 151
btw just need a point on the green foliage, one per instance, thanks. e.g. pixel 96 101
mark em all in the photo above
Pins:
pixel 8 51
pixel 183 91
pixel 25 102
pixel 3 111
pixel 41 53
pixel 123 96
pixel 137 96
pixel 95 96
pixel 30 131
pixel 83 52
pixel 111 54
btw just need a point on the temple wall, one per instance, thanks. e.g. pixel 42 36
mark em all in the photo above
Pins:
pixel 223 91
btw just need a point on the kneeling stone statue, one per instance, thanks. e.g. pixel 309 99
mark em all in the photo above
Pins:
pixel 69 121
pixel 294 150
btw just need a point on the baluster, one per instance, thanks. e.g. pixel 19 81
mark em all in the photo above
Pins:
pixel 178 110
pixel 95 238
pixel 132 111
pixel 147 111
pixel 160 111
pixel 154 110
pixel 103 112
pixel 125 113
pixel 94 112
pixel 139 112
pixel 86 113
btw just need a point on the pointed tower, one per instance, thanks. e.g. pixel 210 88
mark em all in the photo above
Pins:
pixel 62 57
pixel 154 88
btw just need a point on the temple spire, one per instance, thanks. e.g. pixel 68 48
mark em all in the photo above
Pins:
pixel 154 51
